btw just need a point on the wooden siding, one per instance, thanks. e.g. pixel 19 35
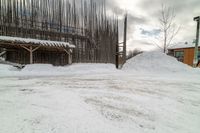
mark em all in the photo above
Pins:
pixel 86 25
pixel 21 56
pixel 188 55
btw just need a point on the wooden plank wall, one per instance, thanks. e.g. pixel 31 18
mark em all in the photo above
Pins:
pixel 188 55
pixel 21 56
pixel 85 24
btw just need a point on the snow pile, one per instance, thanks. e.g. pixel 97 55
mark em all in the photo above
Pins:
pixel 92 68
pixel 6 70
pixel 1 58
pixel 38 68
pixel 47 69
pixel 155 62
pixel 109 103
pixel 146 63
pixel 50 70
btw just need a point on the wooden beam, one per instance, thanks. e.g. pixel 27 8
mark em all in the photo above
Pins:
pixel 25 48
pixel 31 55
pixel 2 53
pixel 36 48
pixel 33 50
pixel 67 51
pixel 30 50
pixel 69 56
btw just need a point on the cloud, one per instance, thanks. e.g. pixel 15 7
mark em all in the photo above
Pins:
pixel 153 32
pixel 143 16
pixel 145 13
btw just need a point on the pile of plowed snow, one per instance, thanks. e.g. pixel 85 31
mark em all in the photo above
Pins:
pixel 155 62
pixel 50 70
pixel 6 70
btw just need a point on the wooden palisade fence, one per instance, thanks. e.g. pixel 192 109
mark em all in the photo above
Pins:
pixel 86 25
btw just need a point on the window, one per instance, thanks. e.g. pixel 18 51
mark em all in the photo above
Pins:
pixel 199 55
pixel 179 55
pixel 198 64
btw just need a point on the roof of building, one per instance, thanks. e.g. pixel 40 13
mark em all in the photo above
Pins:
pixel 182 45
pixel 36 42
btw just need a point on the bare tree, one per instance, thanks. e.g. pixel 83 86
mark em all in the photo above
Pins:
pixel 133 53
pixel 169 29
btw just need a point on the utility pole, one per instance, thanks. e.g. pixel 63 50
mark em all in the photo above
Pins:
pixel 121 47
pixel 196 42
pixel 125 33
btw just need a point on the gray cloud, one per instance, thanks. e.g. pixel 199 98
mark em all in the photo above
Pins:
pixel 133 19
pixel 185 10
pixel 153 32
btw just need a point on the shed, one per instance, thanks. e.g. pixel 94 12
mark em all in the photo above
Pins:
pixel 29 51
pixel 184 53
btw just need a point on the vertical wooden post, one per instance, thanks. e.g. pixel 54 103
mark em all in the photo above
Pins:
pixel 30 50
pixel 31 55
pixel 70 57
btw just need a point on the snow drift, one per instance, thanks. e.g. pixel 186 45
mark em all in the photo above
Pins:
pixel 6 70
pixel 50 70
pixel 155 62
pixel 149 62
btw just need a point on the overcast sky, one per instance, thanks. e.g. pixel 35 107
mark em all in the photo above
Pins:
pixel 143 19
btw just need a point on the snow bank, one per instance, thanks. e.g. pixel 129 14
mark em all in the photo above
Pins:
pixel 155 62
pixel 146 63
pixel 6 70
pixel 1 58
pixel 92 68
pixel 47 69
pixel 50 70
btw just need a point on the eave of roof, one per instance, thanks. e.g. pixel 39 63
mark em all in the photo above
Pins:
pixel 36 42
pixel 181 47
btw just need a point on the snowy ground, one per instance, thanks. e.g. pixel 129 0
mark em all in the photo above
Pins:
pixel 88 98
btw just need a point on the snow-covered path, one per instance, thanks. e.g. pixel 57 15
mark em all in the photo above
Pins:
pixel 154 93
pixel 99 103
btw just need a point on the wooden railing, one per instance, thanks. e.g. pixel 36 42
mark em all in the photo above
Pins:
pixel 41 30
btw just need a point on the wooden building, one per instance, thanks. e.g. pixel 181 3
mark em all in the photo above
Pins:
pixel 184 53
pixel 85 25
pixel 29 51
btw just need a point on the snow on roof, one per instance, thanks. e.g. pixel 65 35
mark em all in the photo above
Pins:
pixel 37 42
pixel 182 45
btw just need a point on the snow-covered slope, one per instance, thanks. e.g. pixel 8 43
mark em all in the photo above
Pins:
pixel 155 62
